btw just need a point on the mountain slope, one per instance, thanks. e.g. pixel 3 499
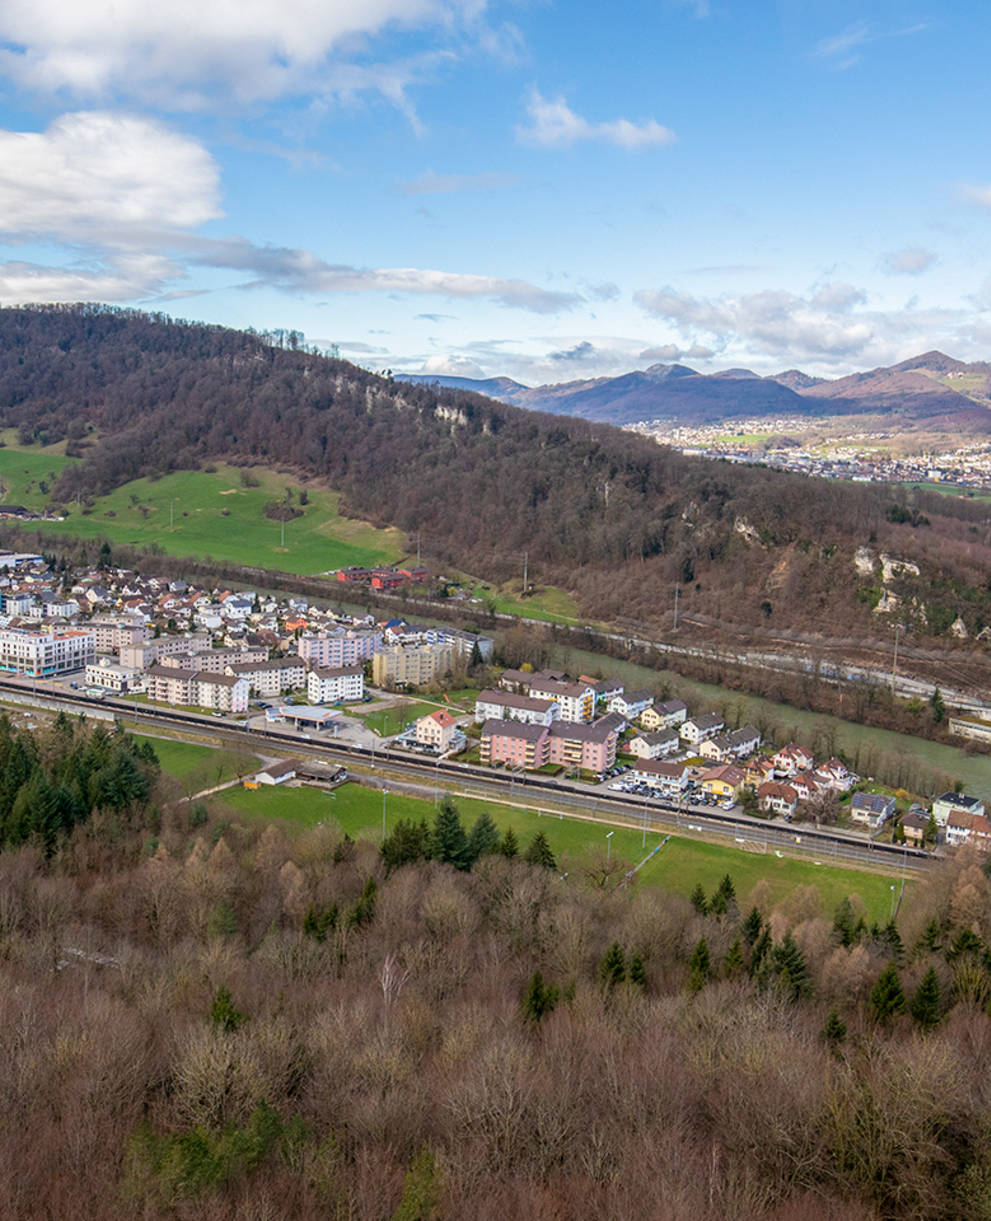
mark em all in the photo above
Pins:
pixel 609 515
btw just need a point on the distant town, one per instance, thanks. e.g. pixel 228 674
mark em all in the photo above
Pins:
pixel 859 456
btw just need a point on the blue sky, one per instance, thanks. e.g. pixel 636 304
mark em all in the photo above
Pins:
pixel 541 190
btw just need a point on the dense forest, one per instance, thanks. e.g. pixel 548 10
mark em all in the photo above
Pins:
pixel 610 515
pixel 207 1019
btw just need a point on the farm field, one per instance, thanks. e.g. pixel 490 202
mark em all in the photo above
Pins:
pixel 212 514
pixel 677 866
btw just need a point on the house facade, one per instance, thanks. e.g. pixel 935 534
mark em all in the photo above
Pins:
pixel 509 706
pixel 436 729
pixel 335 685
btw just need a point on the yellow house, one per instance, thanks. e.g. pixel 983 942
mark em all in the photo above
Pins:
pixel 723 781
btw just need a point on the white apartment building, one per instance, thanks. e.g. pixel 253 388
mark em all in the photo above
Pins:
pixel 576 700
pixel 45 654
pixel 337 684
pixel 111 677
pixel 271 677
pixel 199 688
pixel 508 706
pixel 346 647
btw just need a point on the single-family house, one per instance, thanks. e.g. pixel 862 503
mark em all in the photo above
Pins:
pixel 669 778
pixel 723 781
pixel 654 745
pixel 874 809
pixel 942 806
pixel 630 704
pixel 436 729
pixel 791 759
pixel 664 715
pixel 696 729
pixel 963 827
pixel 914 825
pixel 774 796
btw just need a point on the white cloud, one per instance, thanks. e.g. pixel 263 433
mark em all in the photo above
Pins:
pixel 126 278
pixel 301 271
pixel 452 366
pixel 554 124
pixel 910 261
pixel 242 49
pixel 95 172
pixel 843 50
pixel 981 196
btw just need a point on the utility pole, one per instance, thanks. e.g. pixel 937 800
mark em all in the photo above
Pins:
pixel 894 665
pixel 677 591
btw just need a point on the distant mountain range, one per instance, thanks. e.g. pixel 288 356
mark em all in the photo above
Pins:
pixel 923 388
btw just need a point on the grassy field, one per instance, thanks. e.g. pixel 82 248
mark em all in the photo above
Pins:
pixel 204 765
pixel 545 602
pixel 199 513
pixel 677 866
pixel 973 770
pixel 23 471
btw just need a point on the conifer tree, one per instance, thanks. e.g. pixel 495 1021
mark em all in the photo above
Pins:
pixel 699 966
pixel 887 998
pixel 733 959
pixel 612 970
pixel 752 926
pixel 539 998
pixel 483 839
pixel 449 843
pixel 539 852
pixel 925 1003
pixel 509 846
pixel 835 1029
pixel 893 940
pixel 761 952
pixel 363 911
pixel 698 900
pixel 223 1014
pixel 791 968
pixel 931 937
pixel 844 924
pixel 638 972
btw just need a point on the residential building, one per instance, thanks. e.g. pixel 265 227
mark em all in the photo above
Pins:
pixel 630 704
pixel 654 745
pixel 963 827
pixel 670 778
pixel 791 759
pixel 775 797
pixel 112 677
pixel 335 685
pixel 744 741
pixel 698 728
pixel 412 666
pixel 47 653
pixel 943 806
pixel 717 749
pixel 198 688
pixel 873 809
pixel 271 677
pixel 665 715
pixel 515 744
pixel 576 700
pixel 343 647
pixel 508 706
pixel 215 661
pixel 723 781
pixel 436 729
pixel 278 773
pixel 112 634
pixel 804 784
pixel 914 825
pixel 589 748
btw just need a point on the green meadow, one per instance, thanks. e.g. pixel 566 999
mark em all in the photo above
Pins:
pixel 27 475
pixel 677 866
pixel 212 514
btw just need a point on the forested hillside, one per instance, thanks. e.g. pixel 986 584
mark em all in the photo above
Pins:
pixel 212 1019
pixel 611 516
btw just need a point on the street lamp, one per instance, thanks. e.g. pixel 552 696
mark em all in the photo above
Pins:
pixel 609 835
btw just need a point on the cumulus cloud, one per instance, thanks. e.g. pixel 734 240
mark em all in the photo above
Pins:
pixel 667 353
pixel 94 172
pixel 181 52
pixel 552 123
pixel 133 277
pixel 910 261
pixel 430 183
pixel 582 351
pixel 452 366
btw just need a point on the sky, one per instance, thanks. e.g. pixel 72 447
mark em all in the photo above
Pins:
pixel 539 190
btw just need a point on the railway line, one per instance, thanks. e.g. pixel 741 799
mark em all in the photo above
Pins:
pixel 559 798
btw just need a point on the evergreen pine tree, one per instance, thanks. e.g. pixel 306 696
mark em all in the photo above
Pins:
pixel 893 940
pixel 925 1003
pixel 363 911
pixel 699 966
pixel 717 905
pixel 931 833
pixel 483 839
pixel 887 998
pixel 727 889
pixel 449 843
pixel 223 1014
pixel 612 970
pixel 406 842
pixel 752 926
pixel 931 937
pixel 835 1029
pixel 421 1190
pixel 733 959
pixel 761 952
pixel 539 998
pixel 844 924
pixel 509 847
pixel 966 943
pixel 791 968
pixel 698 900
pixel 539 852
pixel 638 972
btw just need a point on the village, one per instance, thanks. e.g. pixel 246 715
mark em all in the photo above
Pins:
pixel 250 655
